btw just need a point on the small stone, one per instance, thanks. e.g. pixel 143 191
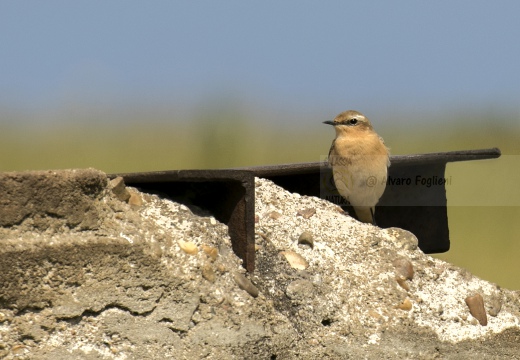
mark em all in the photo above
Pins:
pixel 405 305
pixel 196 318
pixel 212 221
pixel 274 215
pixel 119 189
pixel 496 306
pixel 3 317
pixel 340 210
pixel 405 239
pixel 135 200
pixel 306 213
pixel 211 251
pixel 245 284
pixel 374 314
pixel 262 235
pixel 188 247
pixel 208 273
pixel 306 238
pixel 295 260
pixel 18 350
pixel 313 342
pixel 221 268
pixel 403 283
pixel 317 279
pixel 299 289
pixel 257 219
pixel 403 268
pixel 476 308
pixel 4 351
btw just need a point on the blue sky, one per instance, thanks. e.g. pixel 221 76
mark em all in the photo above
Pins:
pixel 309 56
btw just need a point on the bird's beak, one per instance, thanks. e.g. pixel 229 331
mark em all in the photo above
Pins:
pixel 328 122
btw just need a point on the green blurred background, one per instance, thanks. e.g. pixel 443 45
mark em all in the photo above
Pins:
pixel 126 86
pixel 484 196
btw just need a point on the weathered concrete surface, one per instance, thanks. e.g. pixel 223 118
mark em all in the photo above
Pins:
pixel 85 275
pixel 51 198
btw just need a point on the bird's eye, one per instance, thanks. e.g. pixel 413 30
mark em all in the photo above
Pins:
pixel 352 121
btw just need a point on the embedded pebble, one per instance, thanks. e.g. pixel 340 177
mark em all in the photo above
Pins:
pixel 211 251
pixel 306 213
pixel 221 268
pixel 274 215
pixel 208 273
pixel 306 238
pixel 245 284
pixel 403 283
pixel 313 342
pixel 496 306
pixel 405 239
pixel 135 200
pixel 188 247
pixel 119 188
pixel 196 317
pixel 340 210
pixel 374 314
pixel 299 289
pixel 476 308
pixel 403 268
pixel 19 350
pixel 405 305
pixel 262 235
pixel 295 260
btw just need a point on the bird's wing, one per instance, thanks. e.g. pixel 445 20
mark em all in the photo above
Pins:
pixel 387 148
pixel 330 151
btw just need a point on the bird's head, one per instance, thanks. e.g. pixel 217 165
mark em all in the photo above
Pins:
pixel 350 122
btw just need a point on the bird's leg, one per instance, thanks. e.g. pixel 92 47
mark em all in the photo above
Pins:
pixel 373 217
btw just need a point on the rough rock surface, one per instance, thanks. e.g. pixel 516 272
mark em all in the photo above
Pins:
pixel 85 275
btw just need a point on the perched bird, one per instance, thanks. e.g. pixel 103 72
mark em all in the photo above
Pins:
pixel 359 160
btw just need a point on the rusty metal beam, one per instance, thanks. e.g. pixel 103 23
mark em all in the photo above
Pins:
pixel 229 194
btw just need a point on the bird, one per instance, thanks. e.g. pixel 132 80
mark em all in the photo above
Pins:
pixel 359 159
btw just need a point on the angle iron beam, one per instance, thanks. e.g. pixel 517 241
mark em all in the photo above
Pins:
pixel 229 194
